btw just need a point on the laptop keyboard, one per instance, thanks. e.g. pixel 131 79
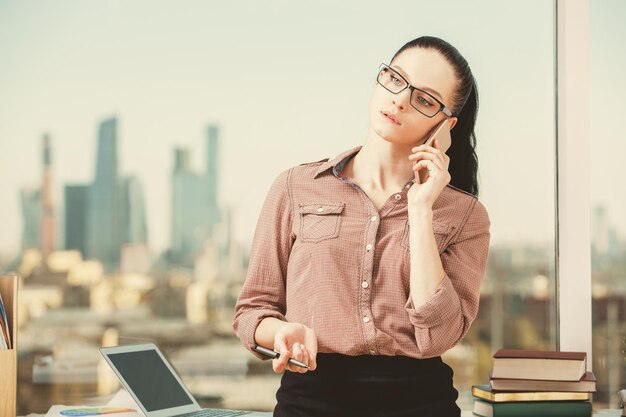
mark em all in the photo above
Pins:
pixel 215 412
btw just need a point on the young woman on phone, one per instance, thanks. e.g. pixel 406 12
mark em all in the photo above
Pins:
pixel 367 267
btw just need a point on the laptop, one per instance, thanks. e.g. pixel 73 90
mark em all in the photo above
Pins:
pixel 151 380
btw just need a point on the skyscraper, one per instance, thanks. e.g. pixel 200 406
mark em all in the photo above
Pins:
pixel 103 222
pixel 31 215
pixel 47 221
pixel 177 232
pixel 189 207
pixel 76 201
pixel 212 170
pixel 110 212
pixel 39 224
pixel 132 211
pixel 195 209
pixel 212 167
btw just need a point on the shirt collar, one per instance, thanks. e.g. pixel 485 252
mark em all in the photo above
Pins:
pixel 338 160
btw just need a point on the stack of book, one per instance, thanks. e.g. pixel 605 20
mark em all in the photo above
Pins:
pixel 535 382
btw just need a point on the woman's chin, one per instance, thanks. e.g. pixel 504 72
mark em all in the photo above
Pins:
pixel 391 136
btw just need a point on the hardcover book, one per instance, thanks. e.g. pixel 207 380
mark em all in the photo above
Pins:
pixel 533 408
pixel 586 384
pixel 539 364
pixel 485 392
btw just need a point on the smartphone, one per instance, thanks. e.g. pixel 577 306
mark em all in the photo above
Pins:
pixel 441 132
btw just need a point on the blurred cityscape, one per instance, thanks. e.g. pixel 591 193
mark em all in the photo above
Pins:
pixel 104 286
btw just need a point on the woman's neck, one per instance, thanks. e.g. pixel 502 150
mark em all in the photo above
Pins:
pixel 381 165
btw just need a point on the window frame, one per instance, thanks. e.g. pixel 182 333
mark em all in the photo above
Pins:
pixel 573 178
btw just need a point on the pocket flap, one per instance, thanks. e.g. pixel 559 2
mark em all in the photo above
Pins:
pixel 322 208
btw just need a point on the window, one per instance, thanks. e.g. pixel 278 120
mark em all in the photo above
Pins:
pixel 608 256
pixel 203 80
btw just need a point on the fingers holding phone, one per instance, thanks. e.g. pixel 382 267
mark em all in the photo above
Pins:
pixel 428 151
pixel 429 162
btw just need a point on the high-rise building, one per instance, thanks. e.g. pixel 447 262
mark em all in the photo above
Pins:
pixel 132 211
pixel 47 221
pixel 76 201
pixel 177 225
pixel 189 207
pixel 195 209
pixel 212 174
pixel 31 214
pixel 39 225
pixel 103 222
pixel 212 168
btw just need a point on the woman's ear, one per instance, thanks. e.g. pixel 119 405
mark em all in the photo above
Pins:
pixel 452 121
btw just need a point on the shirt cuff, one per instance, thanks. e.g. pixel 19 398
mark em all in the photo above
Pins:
pixel 249 325
pixel 444 305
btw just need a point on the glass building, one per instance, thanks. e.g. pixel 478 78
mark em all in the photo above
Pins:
pixel 104 226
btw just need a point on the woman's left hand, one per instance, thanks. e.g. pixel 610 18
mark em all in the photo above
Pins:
pixel 436 163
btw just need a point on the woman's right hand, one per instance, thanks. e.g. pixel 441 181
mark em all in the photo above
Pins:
pixel 297 341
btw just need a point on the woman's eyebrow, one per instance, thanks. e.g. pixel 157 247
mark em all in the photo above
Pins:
pixel 404 74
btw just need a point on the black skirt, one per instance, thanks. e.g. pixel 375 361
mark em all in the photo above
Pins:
pixel 363 386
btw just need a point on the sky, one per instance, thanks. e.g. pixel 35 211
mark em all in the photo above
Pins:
pixel 287 82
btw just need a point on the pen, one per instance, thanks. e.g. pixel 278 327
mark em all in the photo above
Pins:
pixel 276 355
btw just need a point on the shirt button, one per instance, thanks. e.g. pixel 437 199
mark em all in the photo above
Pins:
pixel 398 196
pixel 369 246
pixel 374 218
pixel 319 210
pixel 364 284
pixel 366 319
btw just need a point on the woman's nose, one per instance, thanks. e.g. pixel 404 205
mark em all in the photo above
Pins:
pixel 401 100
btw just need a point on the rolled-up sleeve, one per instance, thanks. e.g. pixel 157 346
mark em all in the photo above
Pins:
pixel 445 318
pixel 263 292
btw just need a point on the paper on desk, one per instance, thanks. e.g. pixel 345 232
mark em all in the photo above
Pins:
pixel 123 399
pixel 119 406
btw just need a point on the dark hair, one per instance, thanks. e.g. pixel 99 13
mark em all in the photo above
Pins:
pixel 463 160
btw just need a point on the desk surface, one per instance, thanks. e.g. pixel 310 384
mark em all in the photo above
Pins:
pixel 599 413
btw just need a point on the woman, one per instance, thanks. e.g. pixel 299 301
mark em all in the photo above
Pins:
pixel 365 273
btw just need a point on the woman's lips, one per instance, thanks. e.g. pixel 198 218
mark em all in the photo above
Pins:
pixel 390 117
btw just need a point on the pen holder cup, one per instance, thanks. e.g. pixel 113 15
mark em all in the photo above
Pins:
pixel 8 357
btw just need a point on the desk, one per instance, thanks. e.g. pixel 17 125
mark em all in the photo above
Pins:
pixel 600 413
pixel 122 400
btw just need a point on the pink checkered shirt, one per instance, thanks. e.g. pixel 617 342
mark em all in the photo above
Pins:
pixel 324 256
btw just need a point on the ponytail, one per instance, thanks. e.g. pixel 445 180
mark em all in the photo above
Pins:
pixel 463 166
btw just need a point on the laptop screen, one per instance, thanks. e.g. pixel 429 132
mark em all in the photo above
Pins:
pixel 150 379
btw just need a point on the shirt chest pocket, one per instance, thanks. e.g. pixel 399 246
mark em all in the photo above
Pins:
pixel 320 221
pixel 441 231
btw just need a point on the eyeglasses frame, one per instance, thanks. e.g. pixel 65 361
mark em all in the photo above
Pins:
pixel 442 107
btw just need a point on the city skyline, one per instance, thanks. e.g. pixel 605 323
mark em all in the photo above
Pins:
pixel 167 81
pixel 104 216
pixel 195 206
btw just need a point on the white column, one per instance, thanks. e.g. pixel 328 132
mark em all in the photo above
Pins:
pixel 573 177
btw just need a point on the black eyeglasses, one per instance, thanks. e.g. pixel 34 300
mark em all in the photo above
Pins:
pixel 420 100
